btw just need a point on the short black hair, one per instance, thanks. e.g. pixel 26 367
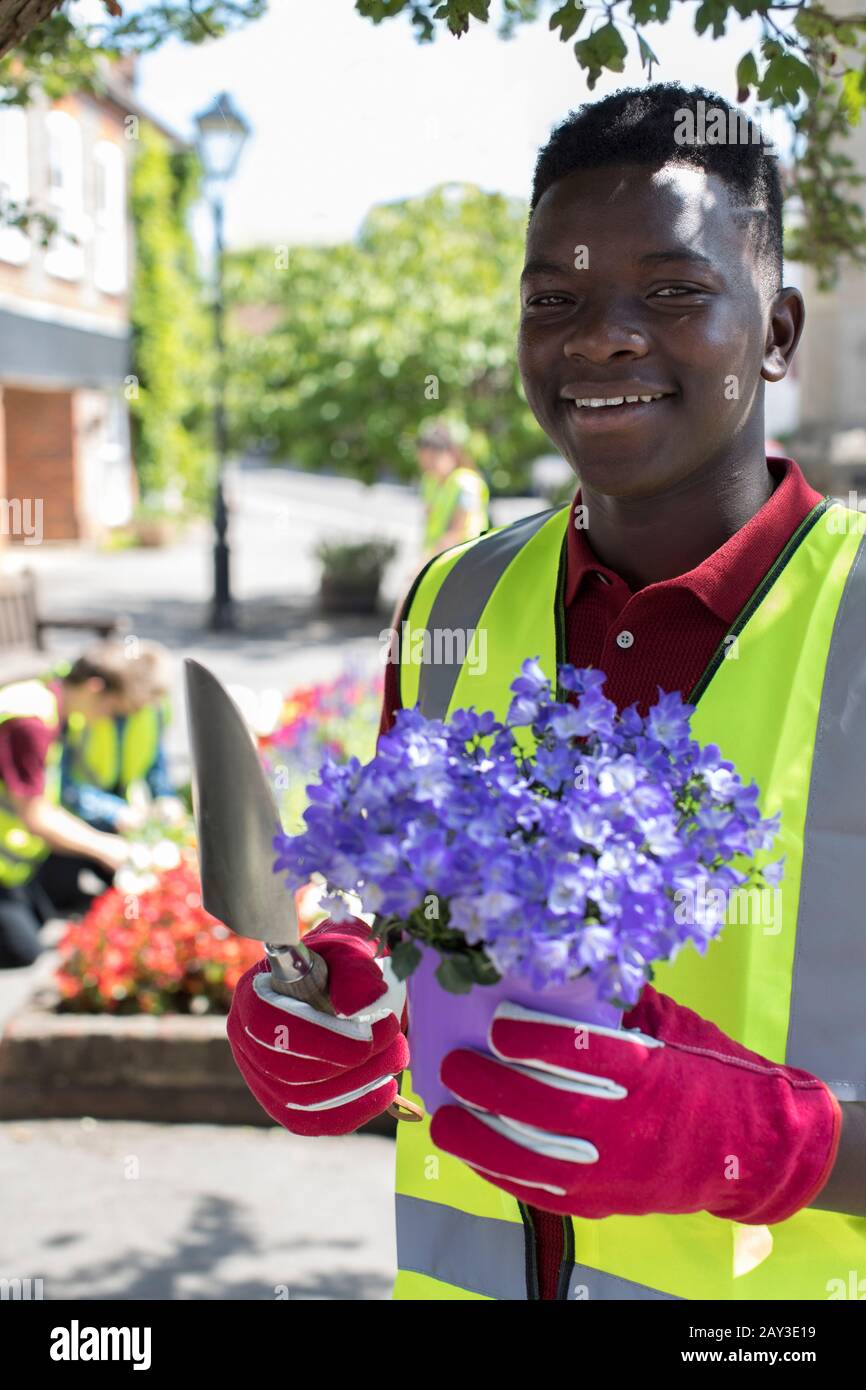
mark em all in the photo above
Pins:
pixel 638 125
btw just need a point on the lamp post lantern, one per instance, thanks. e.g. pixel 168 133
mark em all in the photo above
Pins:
pixel 222 134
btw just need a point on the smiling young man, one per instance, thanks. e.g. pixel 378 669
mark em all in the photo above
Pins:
pixel 727 1144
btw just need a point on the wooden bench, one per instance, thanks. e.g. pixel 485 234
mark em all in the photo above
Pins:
pixel 23 649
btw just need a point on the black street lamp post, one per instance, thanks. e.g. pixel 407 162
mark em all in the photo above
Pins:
pixel 222 133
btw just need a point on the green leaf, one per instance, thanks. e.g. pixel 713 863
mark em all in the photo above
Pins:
pixel 711 12
pixel 648 11
pixel 568 19
pixel 810 24
pixel 611 47
pixel 785 77
pixel 846 35
pixel 455 974
pixel 851 98
pixel 605 48
pixel 484 972
pixel 647 56
pixel 747 71
pixel 805 76
pixel 405 958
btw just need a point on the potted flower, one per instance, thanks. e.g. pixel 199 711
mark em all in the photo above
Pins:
pixel 549 859
pixel 352 573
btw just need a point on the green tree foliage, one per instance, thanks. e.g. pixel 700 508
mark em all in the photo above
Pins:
pixel 171 330
pixel 416 317
pixel 809 63
pixel 61 52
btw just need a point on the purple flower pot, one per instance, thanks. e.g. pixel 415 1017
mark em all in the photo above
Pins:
pixel 440 1021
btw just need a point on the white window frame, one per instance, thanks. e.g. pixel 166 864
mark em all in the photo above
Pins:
pixel 14 181
pixel 64 258
pixel 109 247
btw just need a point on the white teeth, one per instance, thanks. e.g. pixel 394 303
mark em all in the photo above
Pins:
pixel 595 402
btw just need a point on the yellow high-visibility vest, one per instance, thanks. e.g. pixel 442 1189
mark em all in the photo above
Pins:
pixel 20 851
pixel 441 497
pixel 784 697
pixel 109 755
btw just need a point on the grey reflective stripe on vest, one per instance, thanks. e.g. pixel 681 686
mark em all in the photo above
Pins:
pixel 595 1285
pixel 476 1253
pixel 462 598
pixel 828 1011
pixel 486 1256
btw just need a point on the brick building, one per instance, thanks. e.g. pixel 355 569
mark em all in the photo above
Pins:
pixel 64 311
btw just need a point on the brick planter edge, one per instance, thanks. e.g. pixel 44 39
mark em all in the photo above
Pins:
pixel 176 1068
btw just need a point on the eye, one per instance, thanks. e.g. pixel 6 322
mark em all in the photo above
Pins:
pixel 545 299
pixel 675 291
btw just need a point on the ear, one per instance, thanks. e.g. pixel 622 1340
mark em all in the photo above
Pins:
pixel 787 316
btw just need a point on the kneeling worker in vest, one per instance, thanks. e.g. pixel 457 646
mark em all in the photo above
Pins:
pixel 113 767
pixel 729 1160
pixel 43 847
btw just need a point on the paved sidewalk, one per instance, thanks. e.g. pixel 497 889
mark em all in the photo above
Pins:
pixel 106 1210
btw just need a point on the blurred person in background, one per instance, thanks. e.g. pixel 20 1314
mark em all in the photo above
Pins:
pixel 454 493
pixel 113 766
pixel 43 846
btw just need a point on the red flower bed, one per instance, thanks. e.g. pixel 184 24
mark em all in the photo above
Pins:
pixel 152 952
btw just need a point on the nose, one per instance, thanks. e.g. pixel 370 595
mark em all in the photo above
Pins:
pixel 602 331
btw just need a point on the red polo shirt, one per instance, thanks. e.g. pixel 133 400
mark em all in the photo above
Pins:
pixel 667 635
pixel 24 744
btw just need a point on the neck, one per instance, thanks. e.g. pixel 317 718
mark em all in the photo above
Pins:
pixel 648 539
pixel 64 704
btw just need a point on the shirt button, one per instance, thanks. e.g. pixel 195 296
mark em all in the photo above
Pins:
pixel 603 577
pixel 625 638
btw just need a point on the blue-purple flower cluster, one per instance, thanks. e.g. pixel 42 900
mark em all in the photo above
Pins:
pixel 560 850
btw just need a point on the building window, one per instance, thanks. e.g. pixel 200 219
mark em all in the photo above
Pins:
pixel 14 183
pixel 65 255
pixel 110 218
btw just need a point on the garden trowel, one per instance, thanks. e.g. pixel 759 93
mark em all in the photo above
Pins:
pixel 236 819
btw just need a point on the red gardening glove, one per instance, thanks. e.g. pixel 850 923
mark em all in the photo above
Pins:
pixel 313 1073
pixel 594 1122
pixel 662 1017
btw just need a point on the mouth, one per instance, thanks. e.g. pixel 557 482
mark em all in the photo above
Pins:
pixel 599 413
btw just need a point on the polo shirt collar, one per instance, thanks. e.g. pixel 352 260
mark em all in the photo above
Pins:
pixel 726 579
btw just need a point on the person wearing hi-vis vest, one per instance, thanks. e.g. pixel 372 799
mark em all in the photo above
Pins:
pixel 43 846
pixel 112 768
pixel 727 1158
pixel 454 494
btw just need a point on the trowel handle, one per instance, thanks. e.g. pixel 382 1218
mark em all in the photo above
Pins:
pixel 311 987
pixel 301 974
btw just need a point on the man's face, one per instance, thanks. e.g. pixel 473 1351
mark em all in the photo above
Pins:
pixel 437 462
pixel 108 704
pixel 635 322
